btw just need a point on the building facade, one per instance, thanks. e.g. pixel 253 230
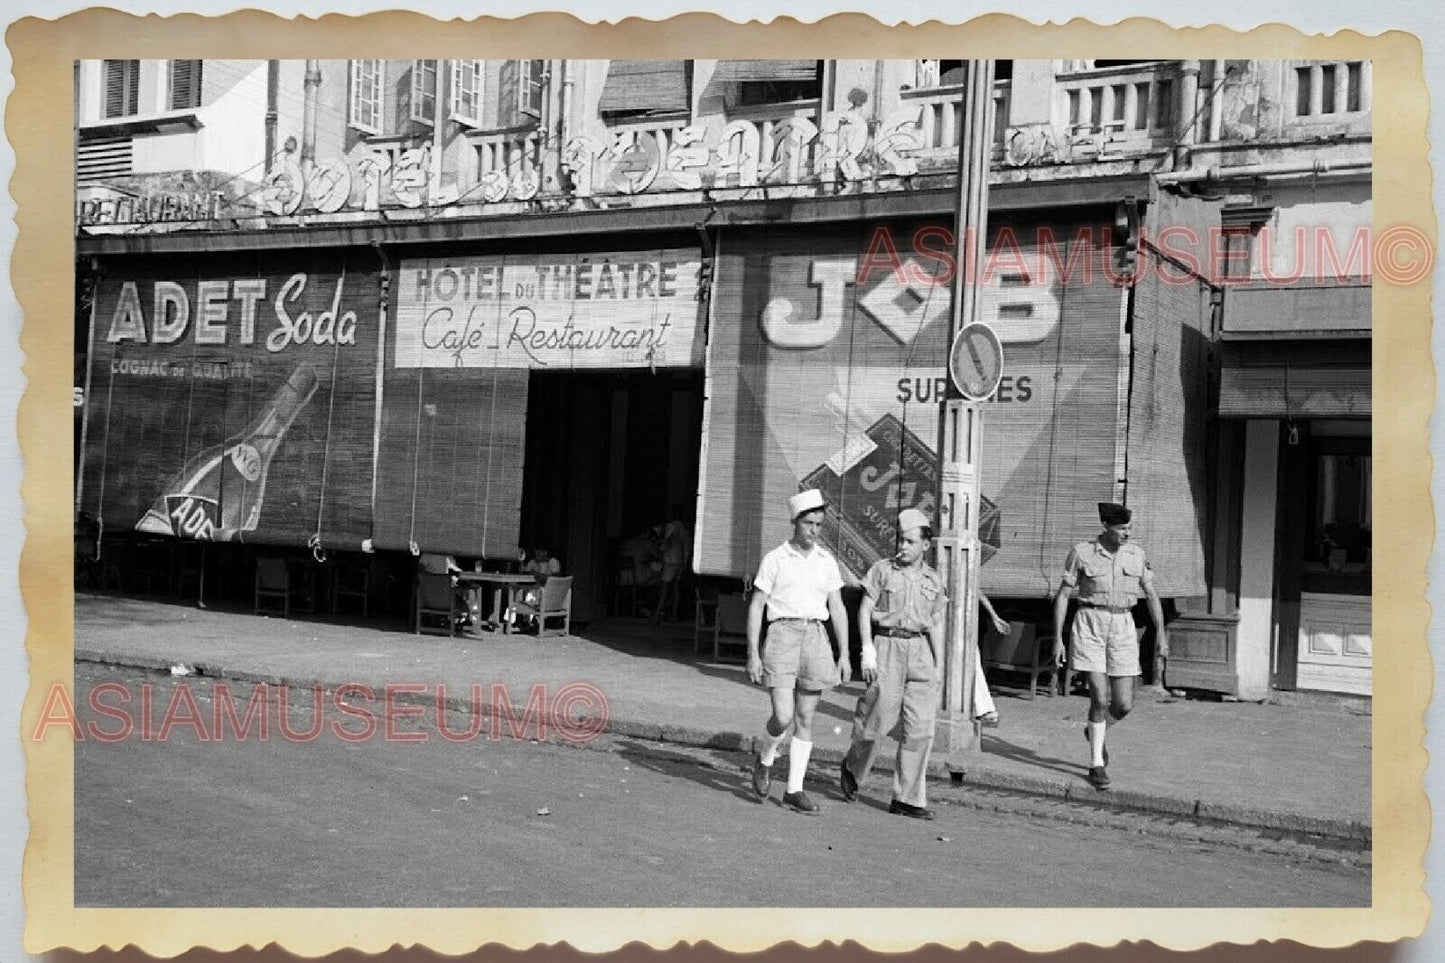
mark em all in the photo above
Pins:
pixel 390 306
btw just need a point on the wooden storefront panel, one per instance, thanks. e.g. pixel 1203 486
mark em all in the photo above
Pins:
pixel 826 369
pixel 233 398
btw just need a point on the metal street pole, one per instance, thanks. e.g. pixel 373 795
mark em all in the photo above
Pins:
pixel 961 430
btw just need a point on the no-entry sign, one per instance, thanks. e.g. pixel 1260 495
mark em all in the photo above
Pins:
pixel 976 361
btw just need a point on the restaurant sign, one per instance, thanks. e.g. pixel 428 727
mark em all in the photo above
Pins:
pixel 633 309
pixel 839 150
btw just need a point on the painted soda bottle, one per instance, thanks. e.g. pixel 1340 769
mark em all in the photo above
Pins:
pixel 218 493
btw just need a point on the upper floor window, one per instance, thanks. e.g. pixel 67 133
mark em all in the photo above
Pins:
pixel 532 78
pixel 364 102
pixel 466 105
pixel 646 91
pixel 757 82
pixel 122 87
pixel 423 90
pixel 1239 239
pixel 949 73
pixel 1340 87
pixel 185 84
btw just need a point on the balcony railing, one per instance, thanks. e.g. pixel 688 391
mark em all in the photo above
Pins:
pixel 940 119
pixel 1130 104
pixel 768 116
pixel 507 153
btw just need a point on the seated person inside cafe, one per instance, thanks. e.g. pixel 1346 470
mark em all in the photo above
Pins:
pixel 642 555
pixel 543 566
pixel 676 550
pixel 434 563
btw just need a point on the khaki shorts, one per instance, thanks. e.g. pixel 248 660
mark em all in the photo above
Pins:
pixel 797 654
pixel 1105 642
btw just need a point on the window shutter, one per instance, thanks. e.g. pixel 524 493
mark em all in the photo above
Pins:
pixel 529 96
pixel 645 87
pixel 122 87
pixel 770 71
pixel 423 90
pixel 509 89
pixel 364 110
pixel 185 84
pixel 466 91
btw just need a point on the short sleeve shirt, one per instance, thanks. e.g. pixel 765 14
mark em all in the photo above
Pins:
pixel 798 583
pixel 907 597
pixel 1108 578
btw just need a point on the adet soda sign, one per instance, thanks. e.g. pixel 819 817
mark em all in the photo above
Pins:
pixel 233 406
pixel 225 311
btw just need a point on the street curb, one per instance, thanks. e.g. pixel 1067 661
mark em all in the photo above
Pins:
pixel 981 776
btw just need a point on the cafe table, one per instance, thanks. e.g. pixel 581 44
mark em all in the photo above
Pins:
pixel 504 587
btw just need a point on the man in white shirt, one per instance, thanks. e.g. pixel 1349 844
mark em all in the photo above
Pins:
pixel 798 587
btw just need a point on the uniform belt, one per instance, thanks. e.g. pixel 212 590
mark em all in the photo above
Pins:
pixel 805 621
pixel 1116 609
pixel 894 633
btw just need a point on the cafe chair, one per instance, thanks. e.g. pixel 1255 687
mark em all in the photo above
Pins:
pixel 303 575
pixel 436 604
pixel 554 601
pixel 1024 650
pixel 730 625
pixel 351 584
pixel 187 563
pixel 704 614
pixel 273 587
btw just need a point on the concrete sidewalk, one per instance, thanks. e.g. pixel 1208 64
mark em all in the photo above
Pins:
pixel 1303 768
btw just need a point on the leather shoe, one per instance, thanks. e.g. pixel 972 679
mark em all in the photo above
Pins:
pixel 900 808
pixel 1098 777
pixel 799 802
pixel 847 782
pixel 762 778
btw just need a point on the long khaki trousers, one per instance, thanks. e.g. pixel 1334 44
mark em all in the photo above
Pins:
pixel 906 686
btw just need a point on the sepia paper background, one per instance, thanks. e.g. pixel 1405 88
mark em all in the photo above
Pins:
pixel 39 124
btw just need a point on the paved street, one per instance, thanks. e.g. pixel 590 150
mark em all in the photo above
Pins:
pixel 621 822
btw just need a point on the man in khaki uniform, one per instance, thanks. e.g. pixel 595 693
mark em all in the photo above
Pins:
pixel 903 604
pixel 1110 574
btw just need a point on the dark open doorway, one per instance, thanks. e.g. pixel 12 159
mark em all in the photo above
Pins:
pixel 609 453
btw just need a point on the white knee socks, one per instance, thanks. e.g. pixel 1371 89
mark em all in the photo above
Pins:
pixel 771 744
pixel 798 753
pixel 1096 742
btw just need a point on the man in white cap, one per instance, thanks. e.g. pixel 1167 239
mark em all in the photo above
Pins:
pixel 1110 574
pixel 903 606
pixel 798 586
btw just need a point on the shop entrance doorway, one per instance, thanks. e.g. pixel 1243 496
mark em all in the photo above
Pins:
pixel 609 454
pixel 1325 560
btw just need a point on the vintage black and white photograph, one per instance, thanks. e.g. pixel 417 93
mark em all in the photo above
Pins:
pixel 911 483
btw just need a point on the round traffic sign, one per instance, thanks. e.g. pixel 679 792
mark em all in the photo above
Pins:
pixel 976 361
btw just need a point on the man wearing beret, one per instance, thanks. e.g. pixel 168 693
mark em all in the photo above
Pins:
pixel 903 606
pixel 1110 574
pixel 798 586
